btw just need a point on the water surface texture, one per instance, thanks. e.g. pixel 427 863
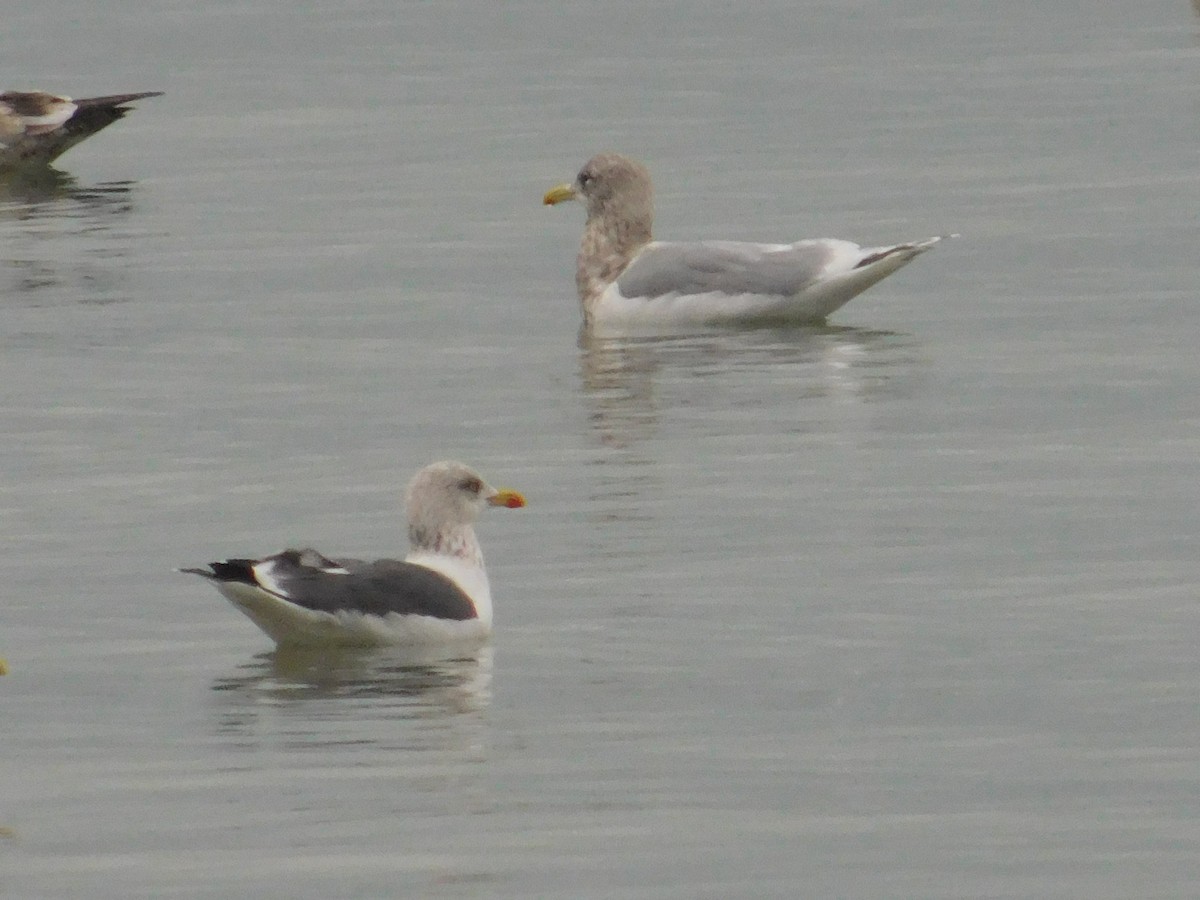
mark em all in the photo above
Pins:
pixel 902 606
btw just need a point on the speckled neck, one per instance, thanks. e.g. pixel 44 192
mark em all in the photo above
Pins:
pixel 459 542
pixel 611 239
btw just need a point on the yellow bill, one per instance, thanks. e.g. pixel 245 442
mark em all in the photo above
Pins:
pixel 507 498
pixel 559 194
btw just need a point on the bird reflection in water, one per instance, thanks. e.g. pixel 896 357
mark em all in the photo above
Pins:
pixel 297 693
pixel 628 382
pixel 30 192
pixel 63 241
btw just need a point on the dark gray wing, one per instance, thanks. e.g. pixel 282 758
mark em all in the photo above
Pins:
pixel 310 580
pixel 727 267
pixel 378 588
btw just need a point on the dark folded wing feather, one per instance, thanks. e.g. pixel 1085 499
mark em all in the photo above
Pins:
pixel 378 588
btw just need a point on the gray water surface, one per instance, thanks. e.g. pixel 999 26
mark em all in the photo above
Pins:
pixel 901 606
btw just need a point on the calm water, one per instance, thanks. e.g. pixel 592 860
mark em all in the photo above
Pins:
pixel 899 607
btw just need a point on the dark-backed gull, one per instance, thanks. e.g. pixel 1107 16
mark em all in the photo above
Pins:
pixel 439 592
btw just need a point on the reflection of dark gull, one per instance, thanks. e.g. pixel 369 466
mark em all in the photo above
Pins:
pixel 439 592
pixel 421 679
pixel 36 127
pixel 624 276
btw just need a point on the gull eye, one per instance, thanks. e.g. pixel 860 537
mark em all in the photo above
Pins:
pixel 584 178
pixel 471 485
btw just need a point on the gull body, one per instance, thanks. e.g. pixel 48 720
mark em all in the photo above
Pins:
pixel 440 592
pixel 625 277
pixel 36 127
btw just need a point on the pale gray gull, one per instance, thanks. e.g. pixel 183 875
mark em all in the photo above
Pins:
pixel 439 592
pixel 36 128
pixel 625 277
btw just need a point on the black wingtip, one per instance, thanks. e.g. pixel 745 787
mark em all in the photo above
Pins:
pixel 227 570
pixel 203 573
pixel 114 99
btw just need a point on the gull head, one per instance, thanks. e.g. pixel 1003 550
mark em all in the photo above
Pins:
pixel 609 184
pixel 447 495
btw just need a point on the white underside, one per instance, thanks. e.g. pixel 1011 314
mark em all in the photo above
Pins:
pixel 840 282
pixel 292 625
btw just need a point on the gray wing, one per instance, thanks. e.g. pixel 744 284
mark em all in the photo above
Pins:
pixel 727 267
pixel 308 579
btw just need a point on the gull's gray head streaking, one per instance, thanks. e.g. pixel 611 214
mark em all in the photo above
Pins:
pixel 443 501
pixel 619 197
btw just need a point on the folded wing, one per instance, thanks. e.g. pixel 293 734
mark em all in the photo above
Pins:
pixel 382 587
pixel 733 268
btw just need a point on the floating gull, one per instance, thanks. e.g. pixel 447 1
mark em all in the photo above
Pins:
pixel 36 127
pixel 439 592
pixel 624 276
